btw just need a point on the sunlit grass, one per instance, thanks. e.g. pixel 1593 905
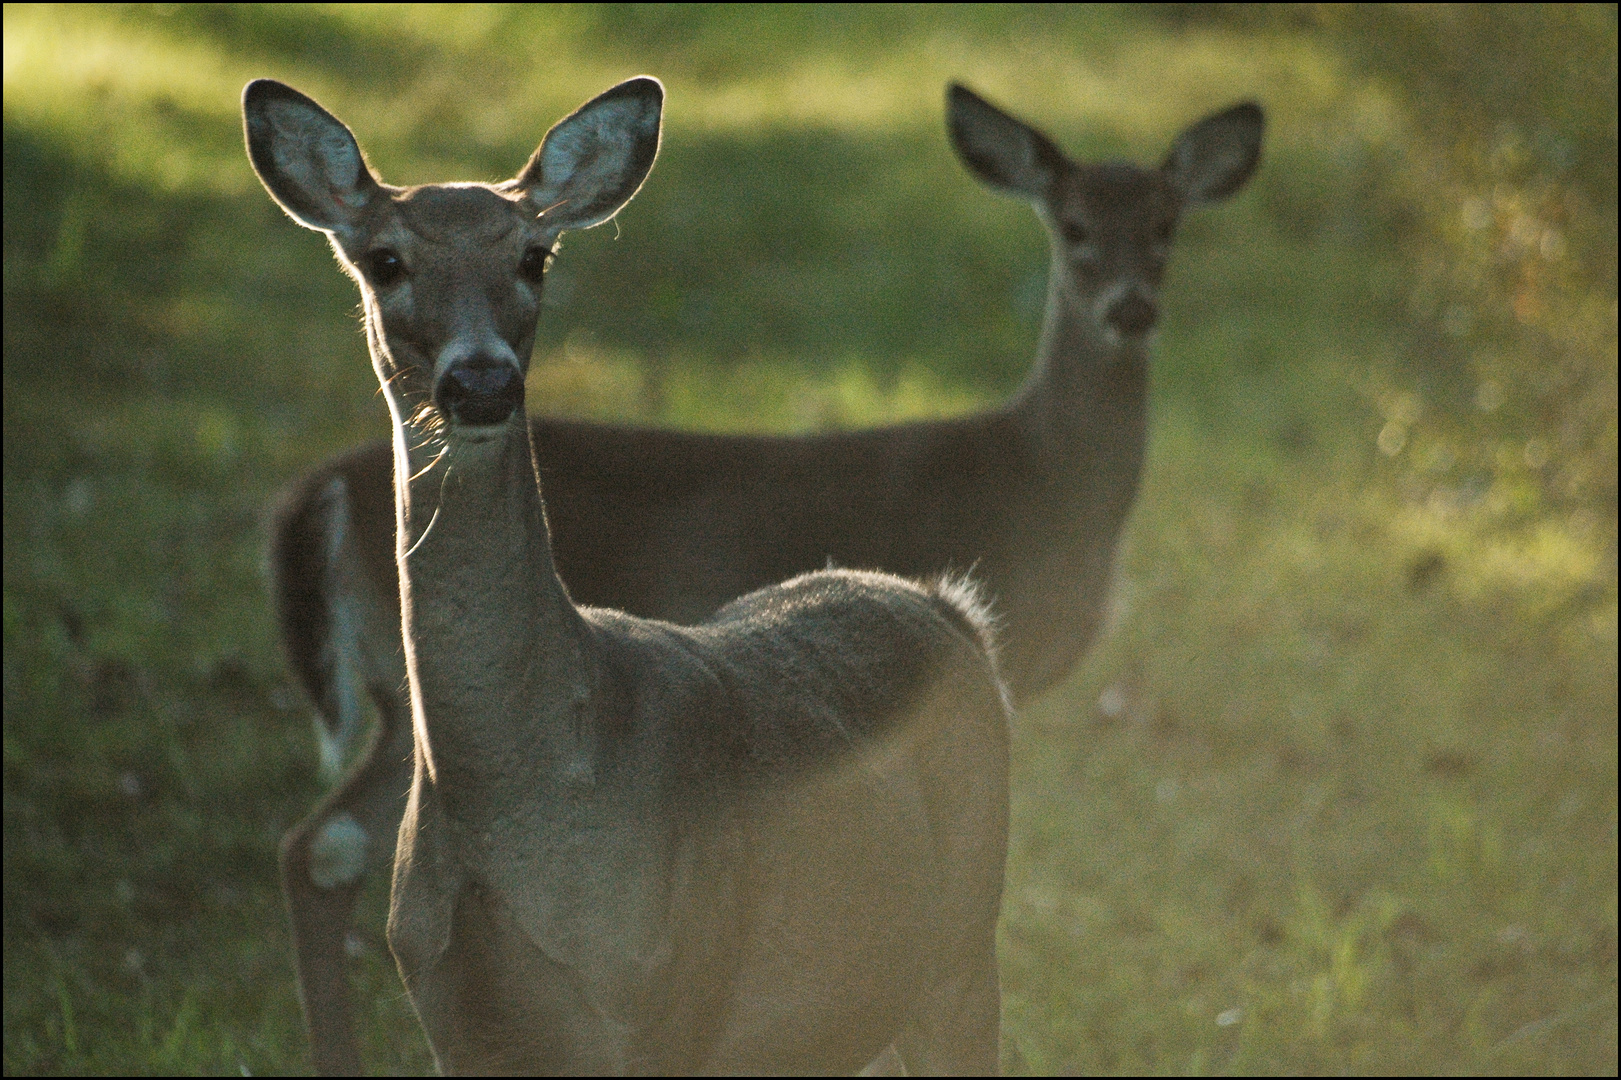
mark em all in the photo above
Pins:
pixel 1303 803
pixel 107 89
pixel 764 397
pixel 117 83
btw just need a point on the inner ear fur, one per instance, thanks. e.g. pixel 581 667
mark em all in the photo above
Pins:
pixel 594 161
pixel 1215 157
pixel 307 159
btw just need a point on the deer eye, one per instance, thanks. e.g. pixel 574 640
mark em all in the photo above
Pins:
pixel 384 267
pixel 1073 232
pixel 1165 230
pixel 532 267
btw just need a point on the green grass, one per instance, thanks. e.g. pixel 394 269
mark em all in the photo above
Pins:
pixel 1372 832
pixel 1337 794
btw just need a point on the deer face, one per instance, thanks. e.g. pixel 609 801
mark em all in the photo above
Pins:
pixel 1111 225
pixel 451 274
pixel 452 279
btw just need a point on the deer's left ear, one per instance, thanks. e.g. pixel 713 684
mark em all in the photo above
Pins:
pixel 1215 157
pixel 305 157
pixel 593 161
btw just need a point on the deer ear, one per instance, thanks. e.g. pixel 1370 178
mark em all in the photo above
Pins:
pixel 1002 151
pixel 593 161
pixel 305 157
pixel 1213 158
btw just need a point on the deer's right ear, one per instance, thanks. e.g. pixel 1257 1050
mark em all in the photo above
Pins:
pixel 1004 152
pixel 305 157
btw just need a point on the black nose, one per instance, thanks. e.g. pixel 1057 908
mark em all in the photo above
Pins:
pixel 1133 315
pixel 479 392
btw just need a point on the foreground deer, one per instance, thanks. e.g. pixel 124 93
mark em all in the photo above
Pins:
pixel 771 842
pixel 672 525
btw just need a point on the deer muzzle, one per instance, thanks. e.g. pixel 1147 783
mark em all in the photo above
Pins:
pixel 1133 314
pixel 478 392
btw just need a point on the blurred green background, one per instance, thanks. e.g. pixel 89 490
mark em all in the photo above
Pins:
pixel 1339 792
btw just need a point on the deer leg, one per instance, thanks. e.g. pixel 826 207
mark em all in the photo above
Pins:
pixel 887 1063
pixel 325 860
pixel 958 1028
pixel 320 923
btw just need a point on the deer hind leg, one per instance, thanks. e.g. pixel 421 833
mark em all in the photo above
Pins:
pixel 326 858
pixel 350 607
pixel 958 1028
pixel 887 1063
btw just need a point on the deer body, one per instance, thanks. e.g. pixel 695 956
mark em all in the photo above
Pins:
pixel 1033 495
pixel 772 841
pixel 678 823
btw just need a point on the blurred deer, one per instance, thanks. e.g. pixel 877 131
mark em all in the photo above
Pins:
pixel 672 525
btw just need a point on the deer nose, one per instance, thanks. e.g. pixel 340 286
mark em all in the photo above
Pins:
pixel 1133 315
pixel 479 391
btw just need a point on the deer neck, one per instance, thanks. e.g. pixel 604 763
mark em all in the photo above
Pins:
pixel 499 660
pixel 1084 406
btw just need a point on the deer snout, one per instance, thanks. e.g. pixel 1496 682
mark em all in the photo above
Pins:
pixel 479 391
pixel 1133 314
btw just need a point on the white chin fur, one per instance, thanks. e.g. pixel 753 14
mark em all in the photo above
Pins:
pixel 1117 340
pixel 476 435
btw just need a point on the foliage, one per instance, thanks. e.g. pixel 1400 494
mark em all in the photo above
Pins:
pixel 1339 792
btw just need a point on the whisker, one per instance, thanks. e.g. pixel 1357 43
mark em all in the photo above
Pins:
pixel 443 450
pixel 431 522
pixel 443 480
